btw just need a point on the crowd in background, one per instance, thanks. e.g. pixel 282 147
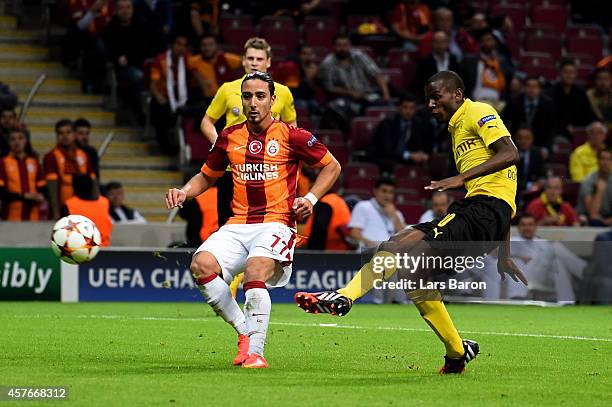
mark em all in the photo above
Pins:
pixel 357 81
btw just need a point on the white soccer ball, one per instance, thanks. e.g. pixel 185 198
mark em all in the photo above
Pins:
pixel 75 239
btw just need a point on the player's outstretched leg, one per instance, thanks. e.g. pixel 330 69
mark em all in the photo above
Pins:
pixel 340 302
pixel 216 293
pixel 257 309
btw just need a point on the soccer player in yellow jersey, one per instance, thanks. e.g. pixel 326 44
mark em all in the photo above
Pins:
pixel 256 56
pixel 485 158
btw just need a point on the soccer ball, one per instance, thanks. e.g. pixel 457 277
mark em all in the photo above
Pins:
pixel 75 239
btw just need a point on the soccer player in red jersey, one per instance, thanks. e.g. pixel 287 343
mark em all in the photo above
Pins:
pixel 265 157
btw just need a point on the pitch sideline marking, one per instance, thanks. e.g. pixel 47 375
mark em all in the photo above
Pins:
pixel 333 326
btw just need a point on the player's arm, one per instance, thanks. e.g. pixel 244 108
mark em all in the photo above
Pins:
pixel 505 156
pixel 194 187
pixel 208 128
pixel 505 265
pixel 215 110
pixel 325 180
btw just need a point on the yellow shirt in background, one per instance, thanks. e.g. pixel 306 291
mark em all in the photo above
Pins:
pixel 583 161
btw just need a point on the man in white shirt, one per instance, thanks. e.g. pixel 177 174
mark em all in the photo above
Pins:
pixel 376 220
pixel 118 211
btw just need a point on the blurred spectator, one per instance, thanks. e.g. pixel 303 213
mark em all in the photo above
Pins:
pixel 572 106
pixel 531 166
pixel 376 220
pixel 158 13
pixel 583 159
pixel 119 212
pixel 8 120
pixel 403 138
pixel 7 98
pixel 201 216
pixel 600 96
pixel 439 205
pixel 460 41
pixel 88 202
pixel 410 20
pixel 327 228
pixel 83 40
pixel 300 75
pixel 129 41
pixel 597 288
pixel 170 75
pixel 82 129
pixel 486 74
pixel 478 23
pixel 550 209
pixel 595 198
pixel 203 17
pixel 297 9
pixel 440 59
pixel 347 75
pixel 533 109
pixel 61 164
pixel 213 65
pixel 22 183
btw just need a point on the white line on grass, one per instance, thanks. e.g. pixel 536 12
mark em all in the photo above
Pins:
pixel 333 326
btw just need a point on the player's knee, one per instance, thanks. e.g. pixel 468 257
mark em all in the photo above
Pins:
pixel 204 265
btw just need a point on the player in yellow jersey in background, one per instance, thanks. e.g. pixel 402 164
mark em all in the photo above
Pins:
pixel 485 158
pixel 256 56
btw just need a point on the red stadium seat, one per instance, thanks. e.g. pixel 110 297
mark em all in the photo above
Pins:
pixel 330 137
pixel 398 56
pixel 366 50
pixel 412 212
pixel 545 43
pixel 556 16
pixel 362 130
pixel 513 42
pixel 403 196
pixel 439 165
pixel 413 184
pixel 395 79
pixel 277 23
pixel 535 58
pixel 538 29
pixel 198 144
pixel 287 38
pixel 319 37
pixel 581 31
pixel 583 60
pixel 236 21
pixel 579 136
pixel 407 67
pixel 585 45
pixel 570 192
pixel 381 112
pixel 360 175
pixel 237 36
pixel 341 152
pixel 516 13
pixel 360 192
pixel 412 171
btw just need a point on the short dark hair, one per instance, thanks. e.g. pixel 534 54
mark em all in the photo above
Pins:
pixel 113 185
pixel 524 216
pixel 342 35
pixel 407 97
pixel 523 126
pixel 451 80
pixel 82 122
pixel 8 109
pixel 84 186
pixel 384 180
pixel 63 122
pixel 532 78
pixel 262 76
pixel 208 34
pixel 565 62
pixel 598 71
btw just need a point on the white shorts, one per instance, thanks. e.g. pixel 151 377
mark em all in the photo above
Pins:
pixel 233 244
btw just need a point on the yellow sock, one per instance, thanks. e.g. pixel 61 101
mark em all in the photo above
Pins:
pixel 363 281
pixel 235 284
pixel 432 309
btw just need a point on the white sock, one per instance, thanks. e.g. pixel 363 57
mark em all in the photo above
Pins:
pixel 257 312
pixel 217 294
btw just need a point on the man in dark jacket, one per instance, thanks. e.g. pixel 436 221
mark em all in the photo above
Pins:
pixel 404 138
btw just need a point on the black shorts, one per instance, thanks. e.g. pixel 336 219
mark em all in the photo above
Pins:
pixel 479 218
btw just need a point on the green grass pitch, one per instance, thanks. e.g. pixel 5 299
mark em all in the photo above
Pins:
pixel 166 354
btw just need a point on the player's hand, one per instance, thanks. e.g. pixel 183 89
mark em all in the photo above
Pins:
pixel 302 208
pixel 507 266
pixel 389 209
pixel 175 197
pixel 446 183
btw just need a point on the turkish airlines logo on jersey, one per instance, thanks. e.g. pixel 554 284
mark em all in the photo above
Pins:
pixel 255 147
